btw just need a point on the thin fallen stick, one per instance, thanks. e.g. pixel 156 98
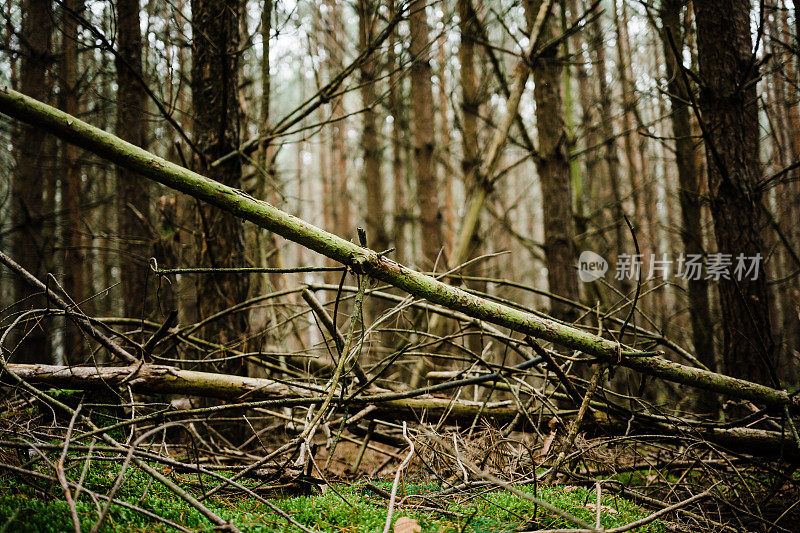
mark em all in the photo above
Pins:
pixel 192 468
pixel 598 504
pixel 188 498
pixel 84 471
pixel 396 482
pixel 337 336
pixel 569 388
pixel 659 514
pixel 333 384
pixel 123 469
pixel 560 531
pixel 62 478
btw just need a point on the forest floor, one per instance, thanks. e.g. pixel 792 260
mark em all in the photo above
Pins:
pixel 34 505
pixel 350 495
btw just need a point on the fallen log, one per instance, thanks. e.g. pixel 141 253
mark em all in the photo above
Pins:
pixel 160 379
pixel 369 262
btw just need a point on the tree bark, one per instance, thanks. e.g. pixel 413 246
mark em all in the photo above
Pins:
pixel 729 104
pixel 268 251
pixel 72 223
pixel 629 121
pixel 422 106
pixel 471 101
pixel 469 26
pixel 554 171
pixel 783 197
pixel 133 197
pixel 470 97
pixel 689 182
pixel 341 199
pixel 31 246
pixel 590 126
pixel 444 166
pixel 791 200
pixel 597 49
pixel 399 126
pixel 373 177
pixel 215 50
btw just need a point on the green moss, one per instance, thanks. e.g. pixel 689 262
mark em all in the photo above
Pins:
pixel 43 510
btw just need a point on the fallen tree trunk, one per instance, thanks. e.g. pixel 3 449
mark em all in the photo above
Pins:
pixel 369 262
pixel 160 379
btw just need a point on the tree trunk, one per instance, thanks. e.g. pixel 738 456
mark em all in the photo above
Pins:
pixel 470 97
pixel 72 224
pixel 791 200
pixel 268 187
pixel 729 105
pixel 597 49
pixel 133 198
pixel 341 200
pixel 554 171
pixel 569 115
pixel 32 249
pixel 422 106
pixel 266 92
pixel 444 167
pixel 215 49
pixel 469 26
pixel 399 186
pixel 590 126
pixel 782 81
pixel 635 164
pixel 373 177
pixel 689 184
pixel 160 379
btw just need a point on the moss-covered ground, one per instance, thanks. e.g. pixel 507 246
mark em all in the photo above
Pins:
pixel 42 508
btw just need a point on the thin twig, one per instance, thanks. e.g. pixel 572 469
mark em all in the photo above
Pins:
pixel 396 482
pixel 62 479
pixel 660 513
